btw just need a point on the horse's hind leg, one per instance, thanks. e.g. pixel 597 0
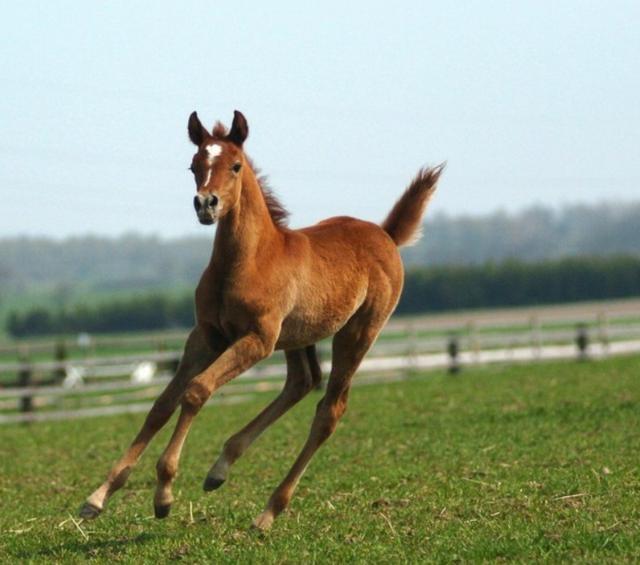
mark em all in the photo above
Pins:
pixel 303 373
pixel 197 356
pixel 349 347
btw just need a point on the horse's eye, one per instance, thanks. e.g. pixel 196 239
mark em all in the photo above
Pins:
pixel 236 167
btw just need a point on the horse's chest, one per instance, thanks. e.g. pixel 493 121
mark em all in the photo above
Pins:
pixel 229 308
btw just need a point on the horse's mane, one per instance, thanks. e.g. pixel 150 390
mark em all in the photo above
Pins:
pixel 279 214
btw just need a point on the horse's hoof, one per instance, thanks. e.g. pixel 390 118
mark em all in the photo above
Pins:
pixel 161 510
pixel 89 511
pixel 212 483
pixel 263 522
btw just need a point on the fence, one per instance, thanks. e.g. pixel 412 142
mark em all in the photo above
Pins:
pixel 80 383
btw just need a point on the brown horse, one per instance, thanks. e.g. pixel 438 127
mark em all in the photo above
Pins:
pixel 268 287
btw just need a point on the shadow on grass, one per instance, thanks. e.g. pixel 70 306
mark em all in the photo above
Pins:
pixel 113 547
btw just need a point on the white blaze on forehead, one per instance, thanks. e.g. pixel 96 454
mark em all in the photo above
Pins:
pixel 213 150
pixel 207 178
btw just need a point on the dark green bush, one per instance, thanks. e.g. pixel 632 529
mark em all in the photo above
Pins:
pixel 511 283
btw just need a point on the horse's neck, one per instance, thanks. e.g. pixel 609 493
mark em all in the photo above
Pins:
pixel 246 228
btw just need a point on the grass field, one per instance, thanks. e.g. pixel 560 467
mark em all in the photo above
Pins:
pixel 535 463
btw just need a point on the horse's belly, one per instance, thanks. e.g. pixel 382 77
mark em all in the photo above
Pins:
pixel 296 333
pixel 302 328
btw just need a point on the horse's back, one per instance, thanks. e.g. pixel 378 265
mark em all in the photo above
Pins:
pixel 344 237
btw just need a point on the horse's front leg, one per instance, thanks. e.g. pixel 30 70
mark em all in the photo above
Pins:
pixel 244 353
pixel 198 355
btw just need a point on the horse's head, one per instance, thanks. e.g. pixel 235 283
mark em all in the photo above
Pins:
pixel 217 166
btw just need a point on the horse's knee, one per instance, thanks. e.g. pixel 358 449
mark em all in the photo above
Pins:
pixel 195 396
pixel 327 419
pixel 326 426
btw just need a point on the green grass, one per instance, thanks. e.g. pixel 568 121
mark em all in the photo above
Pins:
pixel 533 463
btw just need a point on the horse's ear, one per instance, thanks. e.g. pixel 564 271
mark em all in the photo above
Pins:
pixel 197 132
pixel 239 129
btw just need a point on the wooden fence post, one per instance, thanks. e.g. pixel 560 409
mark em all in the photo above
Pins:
pixel 582 341
pixel 60 355
pixel 25 380
pixel 453 350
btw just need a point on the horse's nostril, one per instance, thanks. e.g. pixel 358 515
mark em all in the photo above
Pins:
pixel 196 203
pixel 213 201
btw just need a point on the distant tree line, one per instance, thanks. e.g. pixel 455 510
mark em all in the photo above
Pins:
pixel 511 283
pixel 531 235
pixel 148 263
pixel 515 283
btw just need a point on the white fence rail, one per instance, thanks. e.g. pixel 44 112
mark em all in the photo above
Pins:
pixel 93 381
pixel 111 385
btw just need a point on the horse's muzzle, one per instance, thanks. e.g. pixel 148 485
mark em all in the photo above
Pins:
pixel 206 208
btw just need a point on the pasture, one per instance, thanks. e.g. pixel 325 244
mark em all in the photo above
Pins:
pixel 533 463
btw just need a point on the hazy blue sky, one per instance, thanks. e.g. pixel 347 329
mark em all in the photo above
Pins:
pixel 530 102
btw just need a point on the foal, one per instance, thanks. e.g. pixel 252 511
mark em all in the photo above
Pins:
pixel 268 287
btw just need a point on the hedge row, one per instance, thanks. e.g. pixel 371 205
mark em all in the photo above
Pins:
pixel 511 283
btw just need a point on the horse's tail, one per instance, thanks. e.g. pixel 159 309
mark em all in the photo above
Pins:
pixel 404 221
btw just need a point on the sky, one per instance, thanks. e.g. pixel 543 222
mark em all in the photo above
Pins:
pixel 529 103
